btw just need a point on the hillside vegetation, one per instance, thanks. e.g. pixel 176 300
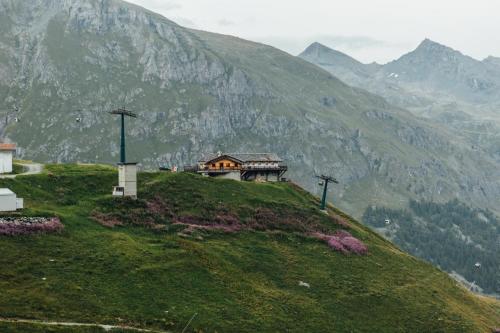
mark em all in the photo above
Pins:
pixel 452 236
pixel 145 263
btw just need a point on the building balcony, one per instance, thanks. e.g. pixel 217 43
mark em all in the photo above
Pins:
pixel 219 170
pixel 265 167
pixel 245 168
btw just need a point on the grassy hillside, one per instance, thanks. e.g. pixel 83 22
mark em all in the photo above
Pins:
pixel 149 270
pixel 452 236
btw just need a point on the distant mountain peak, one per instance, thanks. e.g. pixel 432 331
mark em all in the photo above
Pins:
pixel 428 41
pixel 429 53
pixel 317 47
pixel 492 60
pixel 432 46
pixel 318 44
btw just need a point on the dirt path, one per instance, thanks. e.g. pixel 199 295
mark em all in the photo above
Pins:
pixel 70 324
pixel 31 169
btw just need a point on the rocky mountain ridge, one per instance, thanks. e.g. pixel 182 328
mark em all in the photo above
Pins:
pixel 431 70
pixel 198 92
pixel 434 82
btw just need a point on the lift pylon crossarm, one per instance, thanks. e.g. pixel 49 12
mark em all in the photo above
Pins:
pixel 124 112
pixel 328 178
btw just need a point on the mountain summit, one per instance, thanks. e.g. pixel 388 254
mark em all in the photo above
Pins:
pixel 435 68
pixel 431 71
pixel 317 47
pixel 431 46
pixel 492 60
pixel 335 61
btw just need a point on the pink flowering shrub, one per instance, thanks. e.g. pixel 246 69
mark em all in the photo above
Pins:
pixel 354 245
pixel 336 244
pixel 29 225
pixel 342 241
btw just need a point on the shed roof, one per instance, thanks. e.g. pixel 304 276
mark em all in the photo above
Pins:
pixel 6 191
pixel 7 146
pixel 253 157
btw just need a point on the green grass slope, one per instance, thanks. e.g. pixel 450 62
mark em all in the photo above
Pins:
pixel 149 272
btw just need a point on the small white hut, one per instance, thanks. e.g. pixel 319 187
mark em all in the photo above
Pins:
pixel 9 202
pixel 6 156
pixel 127 180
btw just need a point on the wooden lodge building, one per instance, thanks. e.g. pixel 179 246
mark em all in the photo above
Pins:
pixel 250 167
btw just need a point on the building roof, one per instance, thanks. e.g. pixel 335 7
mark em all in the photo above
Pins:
pixel 254 157
pixel 6 191
pixel 7 146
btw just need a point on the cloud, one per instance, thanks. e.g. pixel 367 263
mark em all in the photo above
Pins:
pixel 159 5
pixel 185 22
pixel 170 9
pixel 352 42
pixel 225 22
pixel 171 6
pixel 357 27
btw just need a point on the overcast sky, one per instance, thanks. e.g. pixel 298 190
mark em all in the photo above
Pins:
pixel 369 30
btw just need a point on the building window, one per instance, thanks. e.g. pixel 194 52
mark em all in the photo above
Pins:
pixel 228 165
pixel 213 165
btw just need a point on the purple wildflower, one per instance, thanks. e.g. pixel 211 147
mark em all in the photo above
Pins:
pixel 342 241
pixel 29 226
pixel 354 245
pixel 336 244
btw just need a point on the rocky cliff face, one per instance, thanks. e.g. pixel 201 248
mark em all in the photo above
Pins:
pixel 198 92
pixel 441 71
pixel 432 71
pixel 435 82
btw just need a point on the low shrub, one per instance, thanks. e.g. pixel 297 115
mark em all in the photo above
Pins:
pixel 343 241
pixel 15 226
